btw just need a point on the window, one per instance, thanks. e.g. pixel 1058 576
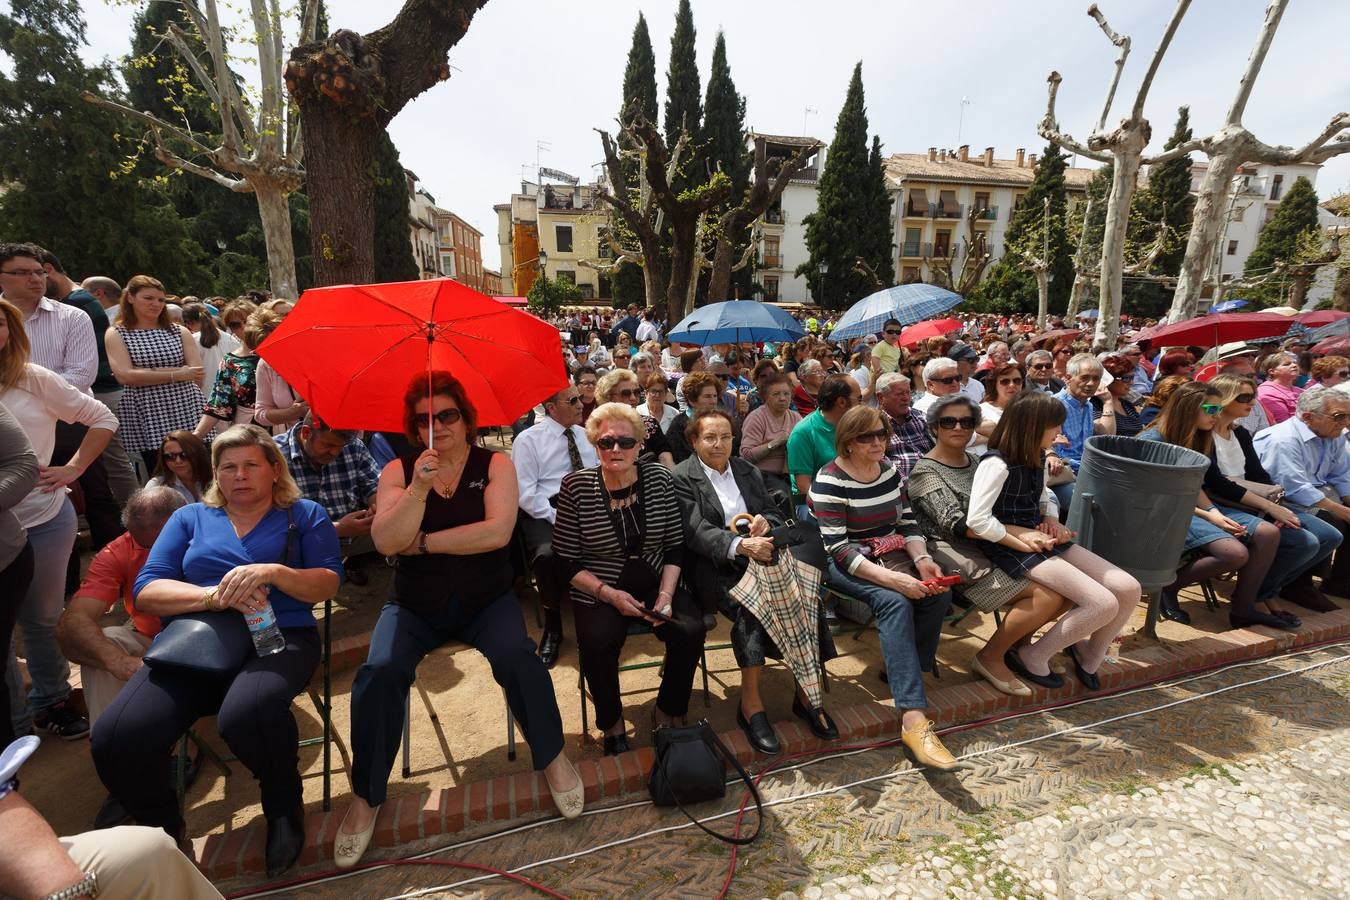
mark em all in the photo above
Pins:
pixel 913 236
pixel 942 243
pixel 1239 213
pixel 911 275
pixel 567 275
pixel 1232 248
pixel 771 289
pixel 981 200
pixel 448 265
pixel 771 257
pixel 603 250
pixel 1276 185
pixel 563 238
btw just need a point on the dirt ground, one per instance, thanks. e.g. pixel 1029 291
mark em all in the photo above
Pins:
pixel 458 713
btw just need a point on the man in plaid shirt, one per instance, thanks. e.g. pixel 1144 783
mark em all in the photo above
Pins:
pixel 335 470
pixel 909 432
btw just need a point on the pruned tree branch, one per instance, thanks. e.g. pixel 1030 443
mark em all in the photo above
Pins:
pixel 1049 127
pixel 155 123
pixel 1137 111
pixel 1121 41
pixel 1274 12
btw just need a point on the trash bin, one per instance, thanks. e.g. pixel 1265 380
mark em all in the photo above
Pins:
pixel 1133 503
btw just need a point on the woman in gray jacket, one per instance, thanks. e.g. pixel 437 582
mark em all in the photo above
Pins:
pixel 18 475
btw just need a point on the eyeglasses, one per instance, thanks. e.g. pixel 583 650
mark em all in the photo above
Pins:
pixel 1041 367
pixel 871 437
pixel 26 273
pixel 573 400
pixel 1244 398
pixel 1339 418
pixel 173 457
pixel 622 356
pixel 891 331
pixel 448 417
pixel 1210 409
pixel 1017 382
pixel 628 393
pixel 1343 374
pixel 609 443
pixel 1064 353
pixel 950 379
pixel 951 423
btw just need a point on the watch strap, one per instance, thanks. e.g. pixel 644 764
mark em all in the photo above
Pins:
pixel 85 887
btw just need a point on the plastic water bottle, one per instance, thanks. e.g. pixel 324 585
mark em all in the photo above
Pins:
pixel 262 627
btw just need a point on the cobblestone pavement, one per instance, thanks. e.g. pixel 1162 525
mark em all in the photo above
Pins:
pixel 1241 793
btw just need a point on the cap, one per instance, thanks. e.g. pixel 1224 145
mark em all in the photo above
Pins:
pixel 961 351
pixel 1233 349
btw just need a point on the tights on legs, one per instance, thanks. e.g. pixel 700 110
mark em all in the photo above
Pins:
pixel 1225 555
pixel 1103 596
pixel 1265 542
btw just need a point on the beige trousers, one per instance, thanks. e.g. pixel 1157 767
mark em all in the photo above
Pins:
pixel 101 686
pixel 133 862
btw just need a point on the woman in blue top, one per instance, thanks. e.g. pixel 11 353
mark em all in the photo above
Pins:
pixel 228 554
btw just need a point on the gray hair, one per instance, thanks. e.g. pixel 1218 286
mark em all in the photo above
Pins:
pixel 997 345
pixel 1019 346
pixel 888 380
pixel 940 405
pixel 809 367
pixel 175 312
pixel 936 366
pixel 1128 348
pixel 1317 399
pixel 1081 360
pixel 150 508
pixel 637 359
pixel 1040 354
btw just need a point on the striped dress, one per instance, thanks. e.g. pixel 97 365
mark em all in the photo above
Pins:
pixel 850 511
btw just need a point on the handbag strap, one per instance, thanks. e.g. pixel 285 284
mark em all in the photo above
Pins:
pixel 291 532
pixel 711 739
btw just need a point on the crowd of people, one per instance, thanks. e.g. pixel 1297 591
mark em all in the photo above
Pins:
pixel 646 495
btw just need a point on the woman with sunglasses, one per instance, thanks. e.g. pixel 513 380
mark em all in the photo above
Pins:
pixel 1016 518
pixel 1005 383
pixel 621 386
pixel 1121 369
pixel 1217 535
pixel 939 488
pixel 879 555
pixel 1277 394
pixel 447 511
pixel 619 542
pixel 1063 353
pixel 184 464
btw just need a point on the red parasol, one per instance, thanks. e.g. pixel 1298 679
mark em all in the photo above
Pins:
pixel 1338 344
pixel 351 351
pixel 1319 317
pixel 922 331
pixel 1213 330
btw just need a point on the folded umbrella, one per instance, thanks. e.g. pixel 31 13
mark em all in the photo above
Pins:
pixel 782 596
pixel 925 330
pixel 906 303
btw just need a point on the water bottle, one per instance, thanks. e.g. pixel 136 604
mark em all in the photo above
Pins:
pixel 262 627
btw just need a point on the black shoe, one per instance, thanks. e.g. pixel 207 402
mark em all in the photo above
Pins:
pixel 1256 617
pixel 885 678
pixel 1309 597
pixel 1089 679
pixel 616 744
pixel 822 726
pixel 62 721
pixel 1289 618
pixel 1170 609
pixel 355 569
pixel 759 732
pixel 111 814
pixel 548 648
pixel 1014 662
pixel 285 840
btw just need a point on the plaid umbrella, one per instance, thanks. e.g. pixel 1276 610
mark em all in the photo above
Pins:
pixel 906 303
pixel 783 595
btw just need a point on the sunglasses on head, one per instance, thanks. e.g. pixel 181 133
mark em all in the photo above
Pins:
pixel 609 443
pixel 447 416
pixel 950 379
pixel 1210 409
pixel 173 457
pixel 949 423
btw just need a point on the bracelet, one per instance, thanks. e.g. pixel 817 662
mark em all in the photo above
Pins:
pixel 919 559
pixel 665 594
pixel 413 494
pixel 209 598
pixel 86 886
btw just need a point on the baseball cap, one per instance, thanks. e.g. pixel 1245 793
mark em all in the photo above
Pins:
pixel 962 351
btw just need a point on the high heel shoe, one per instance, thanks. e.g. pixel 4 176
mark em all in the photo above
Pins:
pixel 1169 608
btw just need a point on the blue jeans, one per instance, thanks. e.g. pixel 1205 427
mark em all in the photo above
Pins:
pixel 909 632
pixel 41 608
pixel 1064 494
pixel 1301 549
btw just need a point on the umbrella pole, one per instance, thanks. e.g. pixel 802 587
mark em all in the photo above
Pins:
pixel 431 337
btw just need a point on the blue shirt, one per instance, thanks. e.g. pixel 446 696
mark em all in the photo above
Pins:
pixel 1077 427
pixel 198 545
pixel 1302 463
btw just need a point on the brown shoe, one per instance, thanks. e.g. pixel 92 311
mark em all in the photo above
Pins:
pixel 1308 597
pixel 1336 588
pixel 927 749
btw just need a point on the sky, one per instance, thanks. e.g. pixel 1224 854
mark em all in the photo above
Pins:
pixel 551 71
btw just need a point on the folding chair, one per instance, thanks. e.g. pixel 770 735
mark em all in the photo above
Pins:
pixel 447 650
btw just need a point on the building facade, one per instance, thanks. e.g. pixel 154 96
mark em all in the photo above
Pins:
pixel 422 228
pixel 781 232
pixel 443 244
pixel 566 222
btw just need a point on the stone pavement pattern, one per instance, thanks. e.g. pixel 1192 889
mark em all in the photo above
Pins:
pixel 1240 794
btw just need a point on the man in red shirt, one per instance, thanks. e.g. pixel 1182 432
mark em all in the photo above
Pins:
pixel 108 657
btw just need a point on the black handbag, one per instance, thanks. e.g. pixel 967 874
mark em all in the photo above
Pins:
pixel 691 767
pixel 209 643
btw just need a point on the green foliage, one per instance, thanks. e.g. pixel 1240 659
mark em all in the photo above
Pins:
pixel 63 159
pixel 723 143
pixel 547 295
pixel 846 198
pixel 877 233
pixel 393 250
pixel 683 106
pixel 1278 242
pixel 1033 231
pixel 639 76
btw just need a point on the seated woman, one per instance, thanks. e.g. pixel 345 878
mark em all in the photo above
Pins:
pixel 654 403
pixel 1277 393
pixel 939 490
pixel 713 488
pixel 1219 533
pixel 622 386
pixel 184 464
pixel 1153 404
pixel 701 392
pixel 448 514
pixel 1121 369
pixel 619 542
pixel 1005 382
pixel 231 554
pixel 879 556
pixel 1016 518
pixel 765 432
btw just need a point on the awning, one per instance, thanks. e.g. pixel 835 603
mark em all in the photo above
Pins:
pixel 947 202
pixel 918 200
pixel 512 301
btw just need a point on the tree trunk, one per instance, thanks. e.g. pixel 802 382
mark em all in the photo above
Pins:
pixel 1206 223
pixel 341 193
pixel 679 295
pixel 1076 294
pixel 719 282
pixel 1123 181
pixel 1042 297
pixel 1340 296
pixel 275 211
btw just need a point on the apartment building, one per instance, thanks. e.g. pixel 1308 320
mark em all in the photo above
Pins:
pixel 461 250
pixel 560 225
pixel 422 228
pixel 782 236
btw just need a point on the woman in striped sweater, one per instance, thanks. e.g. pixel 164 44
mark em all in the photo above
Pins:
pixel 878 555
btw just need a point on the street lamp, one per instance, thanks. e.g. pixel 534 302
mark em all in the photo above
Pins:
pixel 824 269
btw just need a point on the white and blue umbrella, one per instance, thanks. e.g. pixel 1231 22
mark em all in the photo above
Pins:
pixel 1090 313
pixel 906 303
pixel 1227 306
pixel 736 320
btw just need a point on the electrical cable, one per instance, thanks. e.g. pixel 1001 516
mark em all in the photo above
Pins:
pixel 785 764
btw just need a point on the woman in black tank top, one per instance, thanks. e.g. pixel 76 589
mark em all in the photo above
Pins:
pixel 447 513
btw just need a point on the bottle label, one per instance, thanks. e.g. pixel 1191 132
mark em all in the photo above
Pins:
pixel 261 620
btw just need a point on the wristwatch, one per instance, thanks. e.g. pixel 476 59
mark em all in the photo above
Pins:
pixel 422 543
pixel 85 887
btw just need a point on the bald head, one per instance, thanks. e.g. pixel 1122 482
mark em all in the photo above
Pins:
pixel 107 291
pixel 148 509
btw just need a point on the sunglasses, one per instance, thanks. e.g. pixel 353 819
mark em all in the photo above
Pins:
pixel 1244 398
pixel 891 331
pixel 871 437
pixel 1041 367
pixel 623 443
pixel 173 457
pixel 628 393
pixel 950 379
pixel 1210 409
pixel 447 417
pixel 1064 353
pixel 950 423
pixel 1013 381
pixel 622 356
pixel 1343 374
pixel 573 400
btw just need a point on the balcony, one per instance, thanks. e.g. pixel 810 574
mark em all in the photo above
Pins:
pixel 988 214
pixel 808 174
pixel 913 212
pixel 943 211
pixel 775 217
pixel 771 261
pixel 916 250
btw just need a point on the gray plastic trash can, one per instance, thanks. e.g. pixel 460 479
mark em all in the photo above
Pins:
pixel 1133 503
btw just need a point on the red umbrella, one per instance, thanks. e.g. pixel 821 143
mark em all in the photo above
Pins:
pixel 1319 317
pixel 1338 344
pixel 1213 330
pixel 1055 335
pixel 351 351
pixel 925 330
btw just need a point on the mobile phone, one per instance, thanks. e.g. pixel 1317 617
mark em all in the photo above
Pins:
pixel 944 581
pixel 651 611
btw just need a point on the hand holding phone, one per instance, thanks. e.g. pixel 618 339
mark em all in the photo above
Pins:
pixel 944 581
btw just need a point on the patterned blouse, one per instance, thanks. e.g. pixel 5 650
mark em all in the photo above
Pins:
pixel 235 387
pixel 850 511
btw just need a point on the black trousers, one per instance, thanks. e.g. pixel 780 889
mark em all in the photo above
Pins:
pixel 14 579
pixel 133 739
pixel 601 632
pixel 539 556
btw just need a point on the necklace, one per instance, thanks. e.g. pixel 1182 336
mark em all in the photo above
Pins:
pixel 446 486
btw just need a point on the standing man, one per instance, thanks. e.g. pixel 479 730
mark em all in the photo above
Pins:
pixel 811 443
pixel 543 454
pixel 887 353
pixel 106 291
pixel 647 330
pixel 910 438
pixel 628 323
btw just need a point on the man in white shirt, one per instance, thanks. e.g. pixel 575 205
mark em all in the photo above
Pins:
pixel 543 455
pixel 647 330
pixel 940 378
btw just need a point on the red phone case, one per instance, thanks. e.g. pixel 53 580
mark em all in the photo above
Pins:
pixel 944 581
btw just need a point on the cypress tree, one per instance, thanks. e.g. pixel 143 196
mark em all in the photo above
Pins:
pixel 1278 240
pixel 683 107
pixel 1168 197
pixel 845 198
pixel 723 141
pixel 394 259
pixel 880 222
pixel 639 95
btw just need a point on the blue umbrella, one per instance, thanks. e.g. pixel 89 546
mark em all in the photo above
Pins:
pixel 1227 306
pixel 736 320
pixel 1332 329
pixel 907 303
pixel 1089 314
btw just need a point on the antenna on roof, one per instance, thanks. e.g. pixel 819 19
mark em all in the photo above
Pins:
pixel 961 119
pixel 807 111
